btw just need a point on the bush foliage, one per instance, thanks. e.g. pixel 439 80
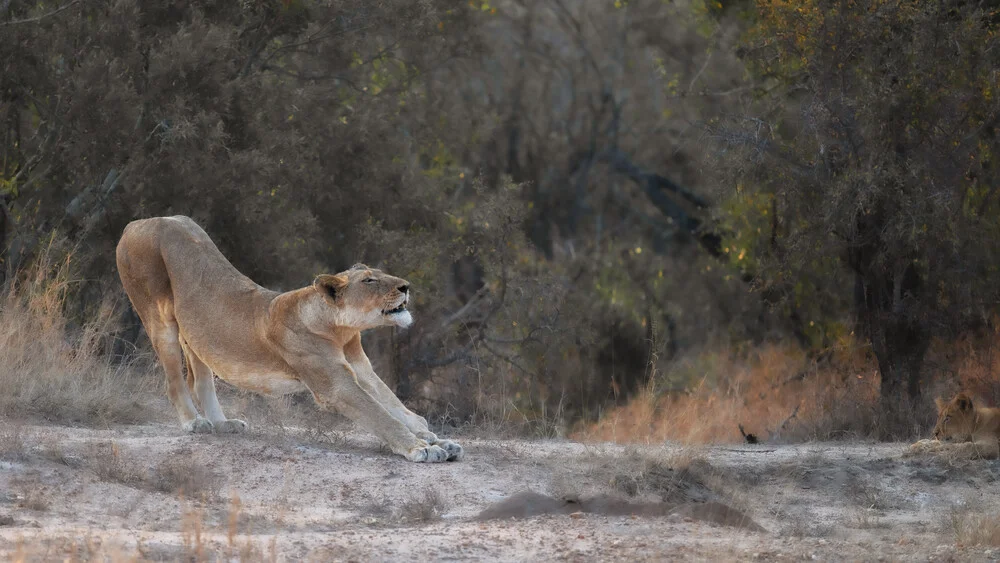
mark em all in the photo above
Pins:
pixel 582 194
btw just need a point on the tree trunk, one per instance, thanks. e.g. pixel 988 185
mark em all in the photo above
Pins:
pixel 889 291
pixel 898 339
pixel 899 347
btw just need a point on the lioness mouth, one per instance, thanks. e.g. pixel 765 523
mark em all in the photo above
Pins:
pixel 399 309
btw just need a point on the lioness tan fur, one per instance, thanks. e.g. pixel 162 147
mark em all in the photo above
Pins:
pixel 196 306
pixel 963 430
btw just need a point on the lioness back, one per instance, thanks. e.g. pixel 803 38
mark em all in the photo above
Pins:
pixel 170 262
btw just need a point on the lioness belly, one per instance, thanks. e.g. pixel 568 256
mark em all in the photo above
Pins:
pixel 264 383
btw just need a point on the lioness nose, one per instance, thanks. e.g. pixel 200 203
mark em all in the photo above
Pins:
pixel 404 288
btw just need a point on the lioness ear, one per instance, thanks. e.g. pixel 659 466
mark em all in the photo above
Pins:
pixel 963 401
pixel 329 284
pixel 940 404
pixel 360 266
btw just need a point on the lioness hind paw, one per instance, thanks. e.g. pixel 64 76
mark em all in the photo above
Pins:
pixel 199 426
pixel 455 451
pixel 231 426
pixel 428 454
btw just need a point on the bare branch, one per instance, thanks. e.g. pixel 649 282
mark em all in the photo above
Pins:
pixel 41 17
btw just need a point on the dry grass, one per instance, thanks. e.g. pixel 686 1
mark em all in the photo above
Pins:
pixel 182 476
pixel 32 494
pixel 427 507
pixel 53 370
pixel 12 443
pixel 198 542
pixel 109 464
pixel 778 394
pixel 186 477
pixel 201 543
pixel 868 519
pixel 70 548
pixel 975 527
pixel 52 450
pixel 870 497
pixel 676 480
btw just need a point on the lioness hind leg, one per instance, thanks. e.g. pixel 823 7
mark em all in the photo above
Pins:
pixel 166 342
pixel 204 389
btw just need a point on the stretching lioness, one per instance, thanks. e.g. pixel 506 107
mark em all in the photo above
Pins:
pixel 196 306
pixel 963 430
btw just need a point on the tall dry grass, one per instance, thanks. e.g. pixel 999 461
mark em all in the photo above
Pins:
pixel 778 394
pixel 58 370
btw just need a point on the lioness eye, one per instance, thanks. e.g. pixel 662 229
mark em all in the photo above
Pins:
pixel 947 418
pixel 368 280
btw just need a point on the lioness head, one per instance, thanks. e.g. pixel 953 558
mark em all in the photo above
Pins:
pixel 364 297
pixel 956 419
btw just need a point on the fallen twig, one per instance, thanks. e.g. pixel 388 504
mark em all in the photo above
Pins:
pixel 781 427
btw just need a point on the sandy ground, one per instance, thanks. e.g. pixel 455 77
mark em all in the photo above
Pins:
pixel 112 493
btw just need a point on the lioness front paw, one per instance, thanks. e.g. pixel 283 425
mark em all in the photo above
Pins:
pixel 427 436
pixel 231 426
pixel 427 454
pixel 199 425
pixel 455 451
pixel 924 447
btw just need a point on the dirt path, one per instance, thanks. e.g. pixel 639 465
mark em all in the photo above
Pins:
pixel 114 492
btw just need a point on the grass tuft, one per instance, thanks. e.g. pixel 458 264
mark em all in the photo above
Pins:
pixel 427 507
pixel 186 477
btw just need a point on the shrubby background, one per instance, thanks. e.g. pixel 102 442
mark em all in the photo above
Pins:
pixel 632 220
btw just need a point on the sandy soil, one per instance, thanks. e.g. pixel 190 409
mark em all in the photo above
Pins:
pixel 286 496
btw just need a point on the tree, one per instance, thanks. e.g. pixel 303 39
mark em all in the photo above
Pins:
pixel 872 141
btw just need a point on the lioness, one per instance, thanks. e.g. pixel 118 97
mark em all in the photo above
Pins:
pixel 963 430
pixel 196 306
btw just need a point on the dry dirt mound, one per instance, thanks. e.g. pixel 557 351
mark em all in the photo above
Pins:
pixel 527 504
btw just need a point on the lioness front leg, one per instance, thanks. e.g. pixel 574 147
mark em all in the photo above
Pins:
pixel 373 384
pixel 336 386
pixel 957 450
